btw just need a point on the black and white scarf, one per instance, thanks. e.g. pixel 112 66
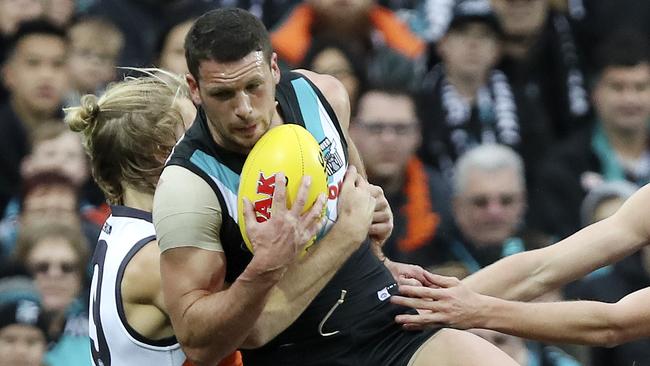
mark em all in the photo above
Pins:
pixel 496 111
pixel 578 100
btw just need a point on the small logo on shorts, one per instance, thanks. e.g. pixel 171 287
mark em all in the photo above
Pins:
pixel 383 294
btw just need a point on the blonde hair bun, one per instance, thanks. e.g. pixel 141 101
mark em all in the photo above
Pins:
pixel 85 116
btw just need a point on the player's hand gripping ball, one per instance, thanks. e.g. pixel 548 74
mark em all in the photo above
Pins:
pixel 287 148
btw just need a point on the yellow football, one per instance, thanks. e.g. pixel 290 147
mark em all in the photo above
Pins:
pixel 290 149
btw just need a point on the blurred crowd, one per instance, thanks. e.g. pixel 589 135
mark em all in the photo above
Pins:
pixel 493 127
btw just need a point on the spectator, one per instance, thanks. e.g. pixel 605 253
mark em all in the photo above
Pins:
pixel 465 101
pixel 142 22
pixel 35 74
pixel 46 195
pixel 12 13
pixel 390 52
pixel 332 57
pixel 615 148
pixel 541 56
pixel 23 325
pixel 56 253
pixel 95 45
pixel 171 50
pixel 489 204
pixel 60 12
pixel 385 131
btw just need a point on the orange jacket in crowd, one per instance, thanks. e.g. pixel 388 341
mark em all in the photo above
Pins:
pixel 292 39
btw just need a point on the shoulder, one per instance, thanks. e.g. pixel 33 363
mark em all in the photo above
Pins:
pixel 174 183
pixel 333 90
pixel 141 281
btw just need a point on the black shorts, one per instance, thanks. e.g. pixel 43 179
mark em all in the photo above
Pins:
pixel 359 331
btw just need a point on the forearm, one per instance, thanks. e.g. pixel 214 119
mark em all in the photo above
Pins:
pixel 215 324
pixel 525 276
pixel 300 285
pixel 581 322
pixel 511 278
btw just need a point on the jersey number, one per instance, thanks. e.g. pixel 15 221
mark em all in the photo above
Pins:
pixel 98 345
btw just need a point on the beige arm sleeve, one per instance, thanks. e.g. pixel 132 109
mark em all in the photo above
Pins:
pixel 186 211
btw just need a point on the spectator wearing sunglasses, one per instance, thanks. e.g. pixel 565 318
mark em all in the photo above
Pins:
pixel 56 254
pixel 488 208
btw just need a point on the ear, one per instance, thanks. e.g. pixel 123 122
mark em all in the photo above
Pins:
pixel 275 68
pixel 195 93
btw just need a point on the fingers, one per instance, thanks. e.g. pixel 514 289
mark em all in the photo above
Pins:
pixel 316 209
pixel 279 193
pixel 316 226
pixel 406 281
pixel 377 192
pixel 381 230
pixel 422 292
pixel 440 281
pixel 249 213
pixel 419 321
pixel 301 197
pixel 381 215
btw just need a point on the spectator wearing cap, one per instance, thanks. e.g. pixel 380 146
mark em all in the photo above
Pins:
pixel 614 147
pixel 465 101
pixel 23 325
pixel 614 282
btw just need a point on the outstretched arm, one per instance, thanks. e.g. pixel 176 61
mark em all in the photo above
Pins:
pixel 527 275
pixel 583 322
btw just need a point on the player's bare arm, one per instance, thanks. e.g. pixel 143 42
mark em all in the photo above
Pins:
pixel 581 322
pixel 211 320
pixel 527 275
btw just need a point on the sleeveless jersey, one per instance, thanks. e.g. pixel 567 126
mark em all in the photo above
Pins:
pixel 325 333
pixel 112 340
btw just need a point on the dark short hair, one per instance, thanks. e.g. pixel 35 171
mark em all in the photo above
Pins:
pixel 624 48
pixel 225 35
pixel 48 178
pixel 31 28
pixel 389 88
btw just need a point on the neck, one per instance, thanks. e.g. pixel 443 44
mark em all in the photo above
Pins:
pixel 628 144
pixel 466 85
pixel 136 199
